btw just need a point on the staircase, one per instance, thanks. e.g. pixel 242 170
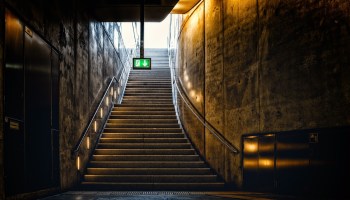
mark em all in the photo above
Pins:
pixel 142 146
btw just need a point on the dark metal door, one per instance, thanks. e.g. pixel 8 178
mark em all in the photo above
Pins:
pixel 14 153
pixel 37 63
pixel 292 162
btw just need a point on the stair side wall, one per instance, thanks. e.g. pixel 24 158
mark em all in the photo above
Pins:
pixel 262 66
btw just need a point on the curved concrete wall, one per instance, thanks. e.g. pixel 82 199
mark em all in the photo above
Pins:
pixel 261 66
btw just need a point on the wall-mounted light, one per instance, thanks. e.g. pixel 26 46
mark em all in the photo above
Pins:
pixel 192 93
pixel 88 142
pixel 101 112
pixel 95 126
pixel 189 85
pixel 78 163
pixel 198 99
pixel 107 101
pixel 186 78
pixel 115 94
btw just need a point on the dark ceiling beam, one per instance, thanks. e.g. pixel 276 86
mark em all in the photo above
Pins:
pixel 129 10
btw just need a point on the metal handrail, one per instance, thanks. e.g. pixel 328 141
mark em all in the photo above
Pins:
pixel 206 124
pixel 87 128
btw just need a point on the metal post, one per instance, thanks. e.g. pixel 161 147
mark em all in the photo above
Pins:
pixel 142 22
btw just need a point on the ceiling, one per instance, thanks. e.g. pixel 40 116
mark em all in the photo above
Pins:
pixel 129 10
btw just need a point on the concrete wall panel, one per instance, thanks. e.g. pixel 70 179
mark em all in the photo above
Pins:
pixel 214 82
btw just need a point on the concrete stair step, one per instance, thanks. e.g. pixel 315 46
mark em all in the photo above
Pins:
pixel 144 178
pixel 183 186
pixel 144 108
pixel 147 98
pixel 148 171
pixel 144 105
pixel 145 158
pixel 148 85
pixel 144 140
pixel 163 72
pixel 142 117
pixel 167 94
pixel 151 89
pixel 142 152
pixel 147 101
pixel 153 86
pixel 143 112
pixel 149 79
pixel 146 164
pixel 142 121
pixel 142 91
pixel 138 125
pixel 144 146
pixel 142 130
pixel 142 135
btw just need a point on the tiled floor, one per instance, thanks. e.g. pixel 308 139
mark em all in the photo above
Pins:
pixel 91 195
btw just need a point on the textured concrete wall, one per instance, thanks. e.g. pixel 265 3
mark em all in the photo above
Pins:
pixel 270 65
pixel 89 60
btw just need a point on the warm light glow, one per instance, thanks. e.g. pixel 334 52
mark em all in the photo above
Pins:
pixel 250 147
pixel 78 163
pixel 265 163
pixel 95 126
pixel 189 85
pixel 198 99
pixel 107 101
pixel 111 93
pixel 186 78
pixel 252 136
pixel 88 142
pixel 288 163
pixel 101 112
pixel 250 163
pixel 192 93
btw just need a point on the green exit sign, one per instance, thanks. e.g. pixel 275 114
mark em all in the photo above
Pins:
pixel 141 63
